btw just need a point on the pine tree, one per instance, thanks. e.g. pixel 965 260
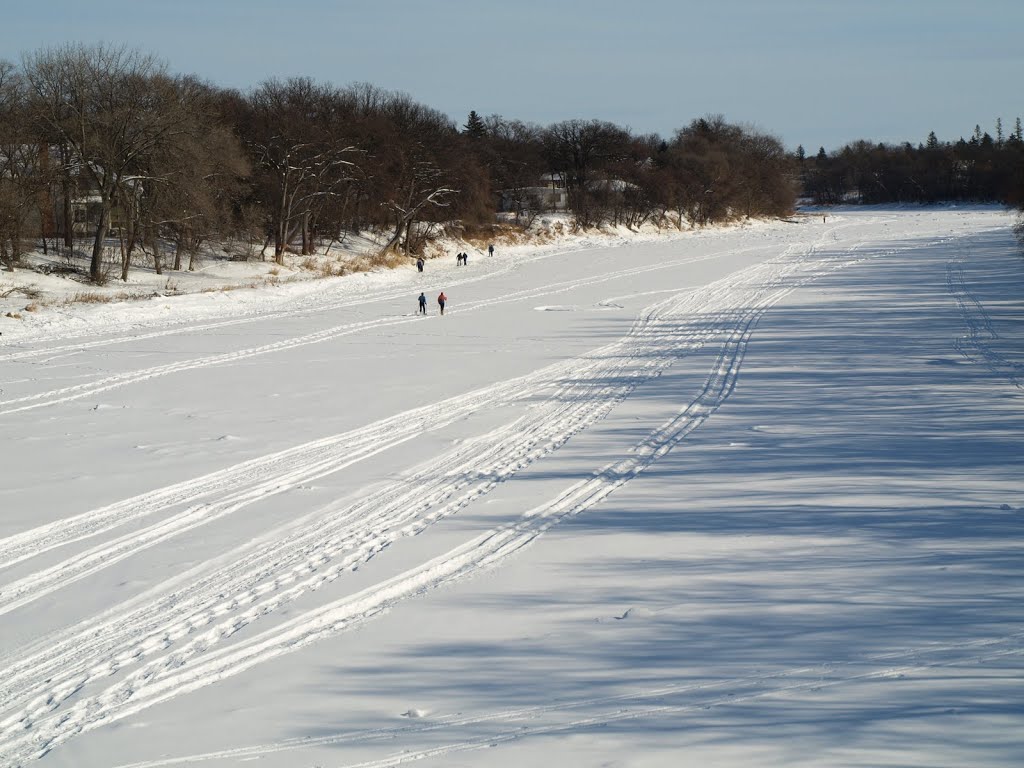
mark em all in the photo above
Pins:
pixel 474 126
pixel 999 130
pixel 1017 131
pixel 933 140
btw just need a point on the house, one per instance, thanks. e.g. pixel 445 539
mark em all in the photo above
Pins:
pixel 549 194
pixel 85 216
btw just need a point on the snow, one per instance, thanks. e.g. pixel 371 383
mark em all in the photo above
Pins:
pixel 732 497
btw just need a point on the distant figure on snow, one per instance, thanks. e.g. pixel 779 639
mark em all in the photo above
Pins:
pixel 441 299
pixel 423 303
pixel 419 264
pixel 490 249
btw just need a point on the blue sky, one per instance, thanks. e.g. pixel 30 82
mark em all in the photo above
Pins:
pixel 811 72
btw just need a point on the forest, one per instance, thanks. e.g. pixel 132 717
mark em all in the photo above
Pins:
pixel 102 144
pixel 982 168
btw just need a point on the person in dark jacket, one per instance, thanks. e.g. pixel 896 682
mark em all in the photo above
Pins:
pixel 423 303
pixel 419 264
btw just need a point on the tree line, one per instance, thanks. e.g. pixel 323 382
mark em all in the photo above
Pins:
pixel 982 168
pixel 104 142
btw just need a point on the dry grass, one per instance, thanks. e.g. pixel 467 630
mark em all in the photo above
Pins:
pixel 14 315
pixel 389 259
pixel 337 269
pixel 33 307
pixel 89 298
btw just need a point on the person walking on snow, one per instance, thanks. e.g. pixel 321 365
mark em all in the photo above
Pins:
pixel 423 303
pixel 419 264
pixel 490 249
pixel 441 299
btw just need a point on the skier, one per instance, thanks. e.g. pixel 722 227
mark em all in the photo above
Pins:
pixel 465 259
pixel 490 249
pixel 441 299
pixel 423 303
pixel 419 264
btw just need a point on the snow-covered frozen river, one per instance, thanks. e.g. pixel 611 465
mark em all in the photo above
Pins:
pixel 741 497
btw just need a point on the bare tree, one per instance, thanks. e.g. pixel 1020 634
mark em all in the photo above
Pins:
pixel 188 189
pixel 296 137
pixel 581 151
pixel 413 165
pixel 23 168
pixel 113 108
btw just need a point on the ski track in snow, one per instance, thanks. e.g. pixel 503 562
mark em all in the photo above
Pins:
pixel 317 303
pixel 976 345
pixel 78 391
pixel 172 639
pixel 140 634
pixel 301 464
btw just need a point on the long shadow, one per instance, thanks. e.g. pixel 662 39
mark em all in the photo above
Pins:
pixel 853 511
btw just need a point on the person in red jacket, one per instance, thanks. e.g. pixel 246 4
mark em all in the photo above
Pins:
pixel 441 299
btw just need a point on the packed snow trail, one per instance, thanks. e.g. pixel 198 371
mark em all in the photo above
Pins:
pixel 751 293
pixel 244 608
pixel 78 391
pixel 258 478
pixel 976 346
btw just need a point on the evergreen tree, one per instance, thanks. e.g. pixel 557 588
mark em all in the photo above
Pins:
pixel 1017 131
pixel 999 130
pixel 474 127
pixel 933 140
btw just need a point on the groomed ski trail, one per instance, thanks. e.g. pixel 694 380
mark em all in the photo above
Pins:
pixel 178 673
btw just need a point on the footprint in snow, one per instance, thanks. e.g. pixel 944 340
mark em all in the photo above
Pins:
pixel 415 713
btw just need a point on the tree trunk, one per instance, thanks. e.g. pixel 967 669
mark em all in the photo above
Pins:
pixel 126 258
pixel 307 240
pixel 399 228
pixel 279 239
pixel 281 230
pixel 158 264
pixel 65 183
pixel 96 265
